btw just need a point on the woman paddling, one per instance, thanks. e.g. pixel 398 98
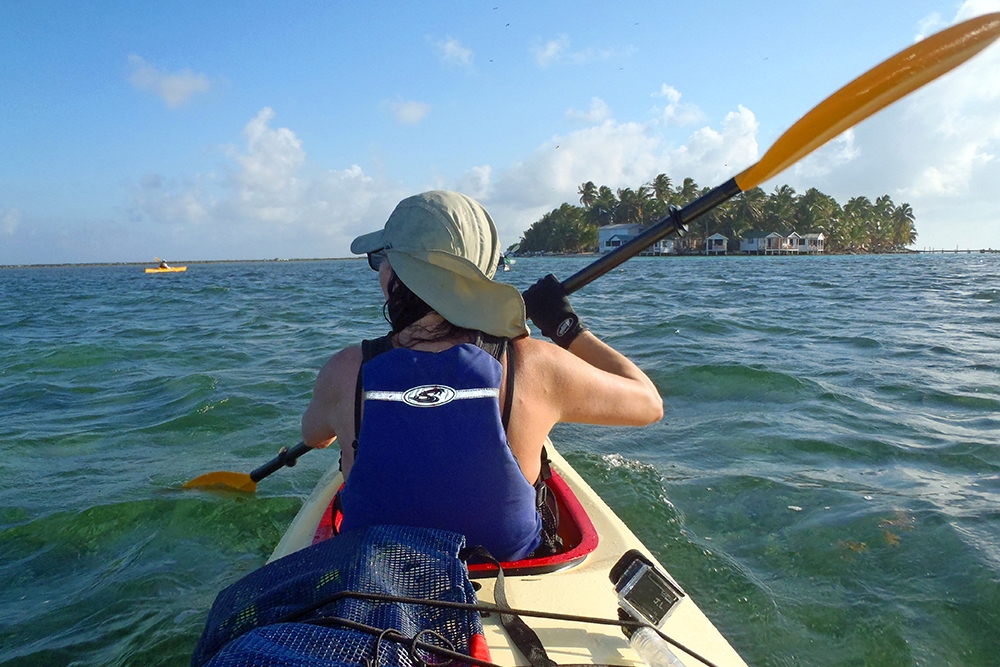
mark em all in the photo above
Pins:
pixel 453 406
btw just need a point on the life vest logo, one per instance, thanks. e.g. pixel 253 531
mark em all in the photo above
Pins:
pixel 429 396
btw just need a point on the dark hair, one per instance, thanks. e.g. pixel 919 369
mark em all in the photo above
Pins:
pixel 402 308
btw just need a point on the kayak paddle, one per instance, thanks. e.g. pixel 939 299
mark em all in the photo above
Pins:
pixel 871 92
pixel 244 482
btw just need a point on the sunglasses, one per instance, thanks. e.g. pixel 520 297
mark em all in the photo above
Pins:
pixel 375 258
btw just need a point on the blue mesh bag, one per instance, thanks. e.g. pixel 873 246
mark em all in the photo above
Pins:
pixel 249 624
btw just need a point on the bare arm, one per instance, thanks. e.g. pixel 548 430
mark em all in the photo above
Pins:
pixel 331 412
pixel 613 391
pixel 592 383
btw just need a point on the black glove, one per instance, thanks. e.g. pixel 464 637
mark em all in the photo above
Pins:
pixel 548 307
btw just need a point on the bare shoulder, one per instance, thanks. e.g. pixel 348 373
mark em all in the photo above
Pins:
pixel 543 369
pixel 349 357
pixel 540 359
pixel 339 371
pixel 531 352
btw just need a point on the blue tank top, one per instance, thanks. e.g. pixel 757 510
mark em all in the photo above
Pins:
pixel 432 452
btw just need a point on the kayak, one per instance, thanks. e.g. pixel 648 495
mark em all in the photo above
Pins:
pixel 169 269
pixel 576 581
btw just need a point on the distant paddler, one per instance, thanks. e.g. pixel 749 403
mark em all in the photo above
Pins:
pixel 163 267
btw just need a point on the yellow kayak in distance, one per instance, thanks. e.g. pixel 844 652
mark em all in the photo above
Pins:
pixel 169 269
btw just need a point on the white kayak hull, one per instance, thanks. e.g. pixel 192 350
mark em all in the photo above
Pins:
pixel 582 589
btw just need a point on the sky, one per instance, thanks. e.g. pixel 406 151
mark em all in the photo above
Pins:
pixel 260 130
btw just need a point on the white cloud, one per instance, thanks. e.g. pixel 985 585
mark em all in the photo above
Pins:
pixel 453 52
pixel 952 176
pixel 674 112
pixel 547 53
pixel 271 160
pixel 170 201
pixel 557 51
pixel 9 220
pixel 972 8
pixel 598 112
pixel 175 89
pixel 711 156
pixel 266 198
pixel 929 25
pixel 410 112
pixel 475 182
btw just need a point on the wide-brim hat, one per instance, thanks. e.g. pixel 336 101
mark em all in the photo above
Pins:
pixel 444 246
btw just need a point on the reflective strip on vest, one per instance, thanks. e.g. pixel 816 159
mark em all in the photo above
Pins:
pixel 431 396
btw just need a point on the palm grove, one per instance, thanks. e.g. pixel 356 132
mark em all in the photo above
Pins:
pixel 859 226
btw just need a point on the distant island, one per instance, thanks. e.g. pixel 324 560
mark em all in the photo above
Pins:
pixel 859 226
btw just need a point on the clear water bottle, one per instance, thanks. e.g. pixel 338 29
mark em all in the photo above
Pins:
pixel 653 650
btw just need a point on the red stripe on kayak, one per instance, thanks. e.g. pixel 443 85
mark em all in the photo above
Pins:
pixel 479 649
pixel 577 531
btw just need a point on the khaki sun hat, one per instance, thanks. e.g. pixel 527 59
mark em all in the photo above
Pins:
pixel 445 248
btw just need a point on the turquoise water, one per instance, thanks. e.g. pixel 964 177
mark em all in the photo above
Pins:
pixel 826 481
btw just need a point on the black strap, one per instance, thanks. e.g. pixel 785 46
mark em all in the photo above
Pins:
pixel 548 510
pixel 509 394
pixel 369 350
pixel 524 638
pixel 497 347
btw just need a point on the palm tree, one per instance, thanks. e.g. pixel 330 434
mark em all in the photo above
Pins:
pixel 686 194
pixel 858 212
pixel 904 232
pixel 629 207
pixel 748 207
pixel 816 212
pixel 662 188
pixel 645 200
pixel 588 194
pixel 564 229
pixel 879 229
pixel 602 211
pixel 779 209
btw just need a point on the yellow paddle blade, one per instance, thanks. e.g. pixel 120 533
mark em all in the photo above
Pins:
pixel 876 89
pixel 232 480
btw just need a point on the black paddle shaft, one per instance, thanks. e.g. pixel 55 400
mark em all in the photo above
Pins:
pixel 285 458
pixel 675 221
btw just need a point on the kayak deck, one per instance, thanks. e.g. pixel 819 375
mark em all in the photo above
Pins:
pixel 581 587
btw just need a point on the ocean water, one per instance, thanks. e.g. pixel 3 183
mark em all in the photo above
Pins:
pixel 825 483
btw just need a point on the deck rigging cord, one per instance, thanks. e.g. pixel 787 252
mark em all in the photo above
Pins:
pixel 482 607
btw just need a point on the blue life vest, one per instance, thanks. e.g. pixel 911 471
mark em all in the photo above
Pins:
pixel 433 453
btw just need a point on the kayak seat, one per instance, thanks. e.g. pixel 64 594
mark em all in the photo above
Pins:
pixel 579 537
